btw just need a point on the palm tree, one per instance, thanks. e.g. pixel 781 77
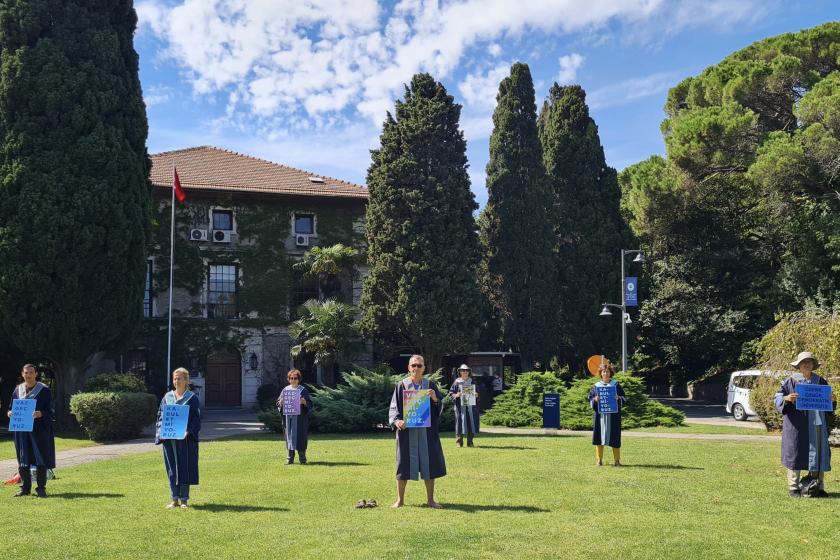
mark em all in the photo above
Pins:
pixel 326 330
pixel 327 264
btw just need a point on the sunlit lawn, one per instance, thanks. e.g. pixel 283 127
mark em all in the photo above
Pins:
pixel 511 497
pixel 710 429
pixel 62 443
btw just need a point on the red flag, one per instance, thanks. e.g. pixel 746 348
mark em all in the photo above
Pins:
pixel 180 194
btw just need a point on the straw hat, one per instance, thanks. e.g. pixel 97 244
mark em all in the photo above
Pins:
pixel 805 356
pixel 464 366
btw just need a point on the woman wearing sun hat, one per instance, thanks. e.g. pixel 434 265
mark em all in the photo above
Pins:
pixel 804 432
pixel 466 415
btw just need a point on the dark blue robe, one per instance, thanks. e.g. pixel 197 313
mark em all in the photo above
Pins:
pixel 36 448
pixel 296 428
pixel 419 453
pixel 466 417
pixel 180 456
pixel 606 428
pixel 804 432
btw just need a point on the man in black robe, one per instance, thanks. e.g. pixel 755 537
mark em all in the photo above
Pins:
pixel 419 452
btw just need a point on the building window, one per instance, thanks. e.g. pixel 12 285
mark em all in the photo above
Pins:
pixel 221 291
pixel 147 291
pixel 304 224
pixel 137 362
pixel 306 288
pixel 223 220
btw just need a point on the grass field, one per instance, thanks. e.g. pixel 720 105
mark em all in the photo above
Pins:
pixel 62 442
pixel 709 429
pixel 511 497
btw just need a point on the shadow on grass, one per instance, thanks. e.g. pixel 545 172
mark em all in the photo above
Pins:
pixel 516 447
pixel 83 495
pixel 671 467
pixel 236 508
pixel 336 464
pixel 475 508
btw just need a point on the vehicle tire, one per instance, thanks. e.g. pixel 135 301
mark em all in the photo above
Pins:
pixel 738 412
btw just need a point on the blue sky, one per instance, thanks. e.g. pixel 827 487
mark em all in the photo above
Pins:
pixel 307 84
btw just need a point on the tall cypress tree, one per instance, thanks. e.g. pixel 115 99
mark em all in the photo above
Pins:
pixel 589 228
pixel 517 231
pixel 423 251
pixel 74 190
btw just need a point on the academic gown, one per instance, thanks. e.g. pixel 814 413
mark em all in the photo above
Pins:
pixel 606 428
pixel 804 432
pixel 296 428
pixel 38 446
pixel 180 456
pixel 466 416
pixel 419 453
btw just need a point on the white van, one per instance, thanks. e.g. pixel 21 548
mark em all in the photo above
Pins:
pixel 738 391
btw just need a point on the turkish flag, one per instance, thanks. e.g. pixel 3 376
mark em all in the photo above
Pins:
pixel 180 194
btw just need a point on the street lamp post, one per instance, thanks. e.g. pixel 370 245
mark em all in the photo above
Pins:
pixel 625 317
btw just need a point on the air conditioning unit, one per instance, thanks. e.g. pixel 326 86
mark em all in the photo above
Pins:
pixel 221 236
pixel 198 234
pixel 302 240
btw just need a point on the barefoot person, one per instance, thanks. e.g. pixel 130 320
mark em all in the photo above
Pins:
pixel 180 456
pixel 35 448
pixel 419 453
pixel 606 428
pixel 466 415
pixel 296 426
pixel 804 432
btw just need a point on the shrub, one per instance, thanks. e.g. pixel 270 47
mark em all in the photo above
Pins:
pixel 267 394
pixel 112 416
pixel 638 412
pixel 271 419
pixel 761 401
pixel 115 382
pixel 521 404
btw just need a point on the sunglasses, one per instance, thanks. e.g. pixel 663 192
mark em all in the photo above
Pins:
pixel 294 377
pixel 417 365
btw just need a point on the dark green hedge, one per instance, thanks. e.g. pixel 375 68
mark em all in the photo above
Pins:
pixel 114 416
pixel 521 405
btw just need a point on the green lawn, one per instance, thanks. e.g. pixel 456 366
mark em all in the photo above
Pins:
pixel 708 429
pixel 511 497
pixel 62 442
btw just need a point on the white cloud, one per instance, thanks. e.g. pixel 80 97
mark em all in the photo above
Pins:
pixel 630 90
pixel 157 95
pixel 569 65
pixel 478 90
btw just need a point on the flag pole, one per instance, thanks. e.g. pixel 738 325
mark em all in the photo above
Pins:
pixel 171 279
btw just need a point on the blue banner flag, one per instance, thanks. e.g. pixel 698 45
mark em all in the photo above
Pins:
pixel 813 397
pixel 631 291
pixel 22 419
pixel 607 399
pixel 173 424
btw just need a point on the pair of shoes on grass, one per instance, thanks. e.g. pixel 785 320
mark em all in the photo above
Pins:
pixel 174 504
pixel 366 504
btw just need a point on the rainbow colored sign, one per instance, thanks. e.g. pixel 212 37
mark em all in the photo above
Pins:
pixel 417 408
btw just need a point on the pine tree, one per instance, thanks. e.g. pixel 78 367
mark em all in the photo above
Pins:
pixel 74 190
pixel 421 291
pixel 588 225
pixel 517 231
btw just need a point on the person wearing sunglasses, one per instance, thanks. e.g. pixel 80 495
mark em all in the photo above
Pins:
pixel 296 426
pixel 35 449
pixel 419 452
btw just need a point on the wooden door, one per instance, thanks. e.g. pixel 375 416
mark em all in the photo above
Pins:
pixel 224 378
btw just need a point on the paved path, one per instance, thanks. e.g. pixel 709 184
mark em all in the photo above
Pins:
pixel 215 424
pixel 626 433
pixel 699 412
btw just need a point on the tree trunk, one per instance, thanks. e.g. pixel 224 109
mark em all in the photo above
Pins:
pixel 69 379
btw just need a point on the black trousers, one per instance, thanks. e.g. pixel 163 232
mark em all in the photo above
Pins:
pixel 26 478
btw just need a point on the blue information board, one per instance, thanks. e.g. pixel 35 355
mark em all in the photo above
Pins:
pixel 173 424
pixel 22 419
pixel 551 410
pixel 607 399
pixel 813 397
pixel 631 291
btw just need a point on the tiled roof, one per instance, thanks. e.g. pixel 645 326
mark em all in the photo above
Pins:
pixel 209 168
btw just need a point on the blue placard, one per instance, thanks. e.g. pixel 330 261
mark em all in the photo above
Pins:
pixel 813 397
pixel 551 410
pixel 291 402
pixel 22 419
pixel 173 423
pixel 631 291
pixel 607 399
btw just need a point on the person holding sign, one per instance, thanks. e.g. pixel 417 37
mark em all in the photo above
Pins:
pixel 179 439
pixel 606 398
pixel 31 419
pixel 295 403
pixel 415 415
pixel 804 430
pixel 464 395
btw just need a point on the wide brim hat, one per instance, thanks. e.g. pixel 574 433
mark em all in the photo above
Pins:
pixel 805 356
pixel 464 366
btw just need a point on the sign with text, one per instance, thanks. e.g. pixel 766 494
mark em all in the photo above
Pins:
pixel 22 419
pixel 631 291
pixel 173 424
pixel 417 408
pixel 813 397
pixel 291 402
pixel 468 395
pixel 551 410
pixel 607 399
